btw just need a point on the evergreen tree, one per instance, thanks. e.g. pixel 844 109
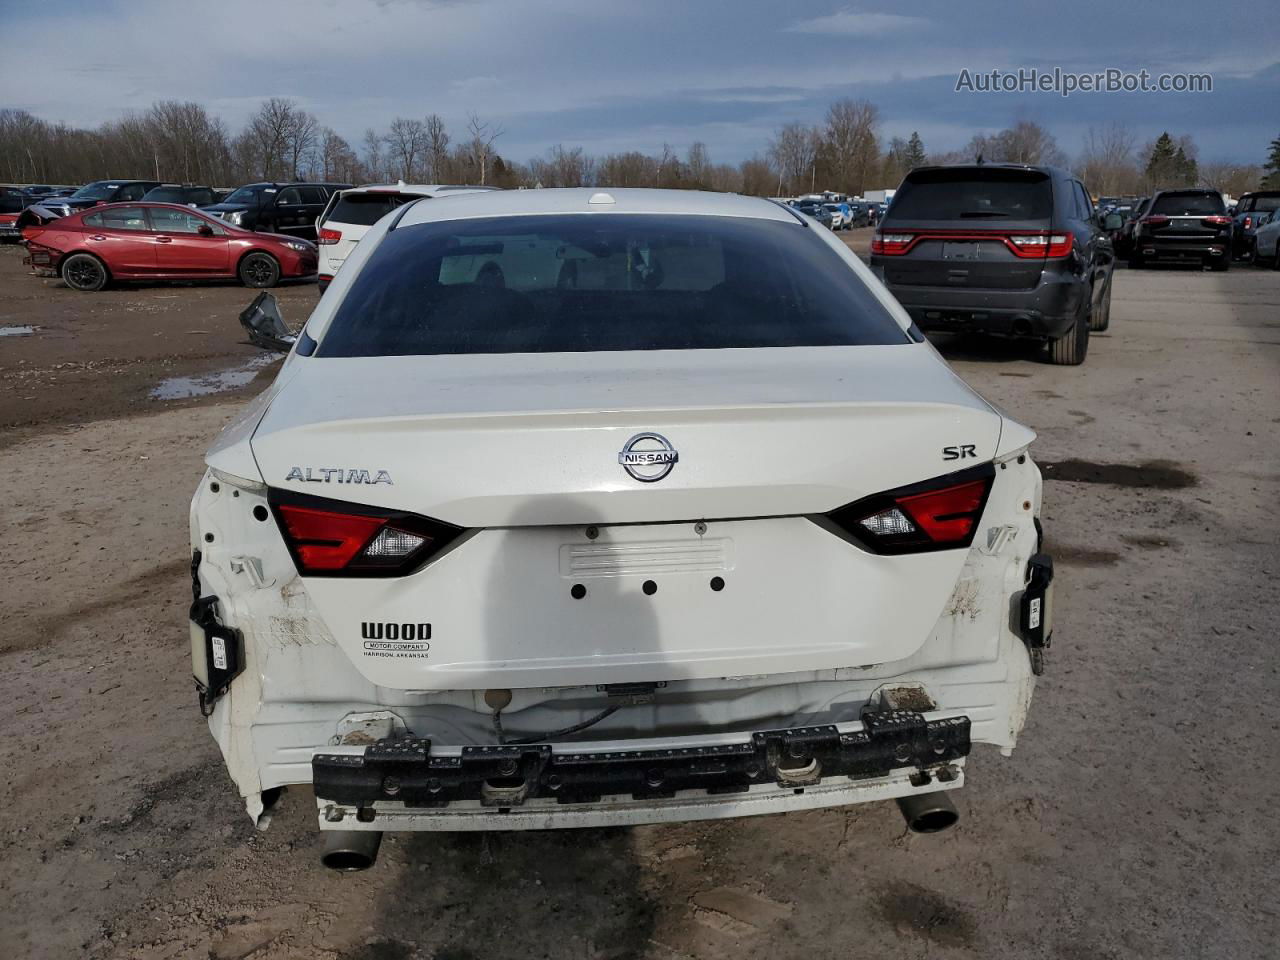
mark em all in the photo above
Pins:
pixel 1162 165
pixel 1272 178
pixel 1188 169
pixel 915 155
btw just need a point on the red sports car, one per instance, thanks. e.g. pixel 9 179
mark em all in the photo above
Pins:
pixel 161 241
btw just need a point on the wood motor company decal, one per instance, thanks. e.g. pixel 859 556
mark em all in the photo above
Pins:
pixel 395 640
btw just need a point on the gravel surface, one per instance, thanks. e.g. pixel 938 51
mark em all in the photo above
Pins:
pixel 1134 820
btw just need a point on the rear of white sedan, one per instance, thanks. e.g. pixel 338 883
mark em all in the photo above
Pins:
pixel 574 509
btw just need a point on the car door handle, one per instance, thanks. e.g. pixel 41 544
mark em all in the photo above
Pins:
pixel 164 240
pixel 97 236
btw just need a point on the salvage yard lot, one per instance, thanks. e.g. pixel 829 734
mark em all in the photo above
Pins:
pixel 1134 820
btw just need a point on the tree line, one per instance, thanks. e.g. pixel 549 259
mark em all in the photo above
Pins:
pixel 847 152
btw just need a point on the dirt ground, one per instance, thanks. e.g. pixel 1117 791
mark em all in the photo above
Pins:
pixel 101 355
pixel 1136 818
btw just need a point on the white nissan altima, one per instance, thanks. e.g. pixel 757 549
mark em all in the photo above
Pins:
pixel 574 509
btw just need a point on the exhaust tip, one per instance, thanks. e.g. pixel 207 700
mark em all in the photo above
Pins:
pixel 349 851
pixel 929 812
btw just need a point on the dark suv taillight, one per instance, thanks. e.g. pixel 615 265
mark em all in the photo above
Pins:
pixel 938 514
pixel 333 538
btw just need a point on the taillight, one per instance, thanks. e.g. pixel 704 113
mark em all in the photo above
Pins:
pixel 325 236
pixel 1041 245
pixel 1219 221
pixel 891 244
pixel 1156 221
pixel 332 538
pixel 1248 221
pixel 939 514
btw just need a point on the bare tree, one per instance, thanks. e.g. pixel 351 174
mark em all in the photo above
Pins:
pixel 1232 179
pixel 631 169
pixel 437 146
pixel 480 146
pixel 853 149
pixel 562 168
pixel 267 137
pixel 1107 163
pixel 664 164
pixel 373 143
pixel 301 137
pixel 794 151
pixel 405 143
pixel 1024 142
pixel 757 176
pixel 698 164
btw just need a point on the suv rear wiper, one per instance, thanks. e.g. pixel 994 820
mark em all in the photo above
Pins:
pixel 984 213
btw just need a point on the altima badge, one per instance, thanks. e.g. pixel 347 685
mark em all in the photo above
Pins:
pixel 648 457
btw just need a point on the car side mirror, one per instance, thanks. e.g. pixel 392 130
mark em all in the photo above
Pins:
pixel 1112 221
pixel 204 230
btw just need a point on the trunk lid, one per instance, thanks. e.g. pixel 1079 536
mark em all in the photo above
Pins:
pixel 524 450
pixel 497 440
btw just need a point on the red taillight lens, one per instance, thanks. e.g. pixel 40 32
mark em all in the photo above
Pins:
pixel 940 514
pixel 1219 221
pixel 1248 221
pixel 333 538
pixel 1156 221
pixel 948 515
pixel 891 244
pixel 325 236
pixel 324 540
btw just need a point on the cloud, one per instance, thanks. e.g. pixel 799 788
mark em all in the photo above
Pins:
pixel 851 23
pixel 468 85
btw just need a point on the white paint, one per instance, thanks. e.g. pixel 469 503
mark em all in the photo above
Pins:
pixel 523 451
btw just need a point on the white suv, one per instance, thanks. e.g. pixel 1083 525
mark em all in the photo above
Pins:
pixel 350 213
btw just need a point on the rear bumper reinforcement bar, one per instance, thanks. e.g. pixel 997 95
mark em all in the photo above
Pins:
pixel 406 774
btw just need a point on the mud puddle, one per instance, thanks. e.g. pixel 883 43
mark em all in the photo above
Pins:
pixel 1154 474
pixel 203 385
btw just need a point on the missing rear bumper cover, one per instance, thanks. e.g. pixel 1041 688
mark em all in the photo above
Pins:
pixel 506 776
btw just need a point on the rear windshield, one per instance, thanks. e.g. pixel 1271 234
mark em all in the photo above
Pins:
pixel 1266 204
pixel 366 209
pixel 1196 204
pixel 973 194
pixel 603 282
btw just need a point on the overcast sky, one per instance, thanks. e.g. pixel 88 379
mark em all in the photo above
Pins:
pixel 629 75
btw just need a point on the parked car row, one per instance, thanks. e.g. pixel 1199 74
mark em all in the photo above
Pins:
pixel 845 212
pixel 260 234
pixel 14 199
pixel 1175 224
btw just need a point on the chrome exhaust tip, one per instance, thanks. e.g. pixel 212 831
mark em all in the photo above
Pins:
pixel 929 812
pixel 350 850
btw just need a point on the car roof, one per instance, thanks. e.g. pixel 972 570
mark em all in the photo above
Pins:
pixel 147 203
pixel 424 189
pixel 1055 172
pixel 509 203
